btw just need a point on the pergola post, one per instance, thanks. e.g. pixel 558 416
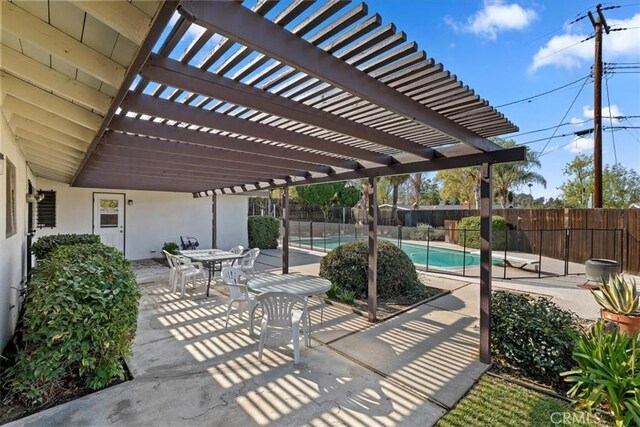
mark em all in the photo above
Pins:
pixel 214 221
pixel 372 272
pixel 285 229
pixel 485 262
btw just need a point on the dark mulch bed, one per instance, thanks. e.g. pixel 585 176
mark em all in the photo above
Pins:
pixel 388 307
pixel 65 390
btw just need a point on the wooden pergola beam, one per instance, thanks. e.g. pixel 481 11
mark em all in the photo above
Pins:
pixel 158 130
pixel 156 107
pixel 235 21
pixel 182 76
pixel 213 154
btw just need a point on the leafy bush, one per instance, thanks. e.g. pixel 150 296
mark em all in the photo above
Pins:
pixel 346 266
pixel 333 292
pixel 44 245
pixel 608 372
pixel 427 232
pixel 79 321
pixel 348 297
pixel 470 226
pixel 264 232
pixel 532 335
pixel 171 247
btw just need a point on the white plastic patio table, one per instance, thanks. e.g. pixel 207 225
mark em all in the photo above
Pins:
pixel 210 258
pixel 298 284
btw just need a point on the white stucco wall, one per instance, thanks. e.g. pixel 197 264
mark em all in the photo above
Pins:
pixel 231 218
pixel 12 249
pixel 154 217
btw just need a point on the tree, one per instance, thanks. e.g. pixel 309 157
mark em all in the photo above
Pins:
pixel 395 181
pixel 326 195
pixel 621 186
pixel 459 185
pixel 576 189
pixel 430 192
pixel 508 177
pixel 384 191
pixel 416 187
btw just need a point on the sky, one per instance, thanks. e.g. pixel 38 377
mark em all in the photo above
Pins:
pixel 510 50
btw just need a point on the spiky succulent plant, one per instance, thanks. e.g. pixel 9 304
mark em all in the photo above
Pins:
pixel 618 296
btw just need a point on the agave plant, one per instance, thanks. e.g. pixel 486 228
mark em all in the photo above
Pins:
pixel 618 296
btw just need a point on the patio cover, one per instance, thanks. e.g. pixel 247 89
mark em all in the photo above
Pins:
pixel 266 95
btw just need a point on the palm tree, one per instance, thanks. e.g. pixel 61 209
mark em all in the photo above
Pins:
pixel 507 177
pixel 416 185
pixel 396 181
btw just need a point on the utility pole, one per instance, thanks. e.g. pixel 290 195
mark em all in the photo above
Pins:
pixel 598 25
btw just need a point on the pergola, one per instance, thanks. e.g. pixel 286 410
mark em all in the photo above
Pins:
pixel 268 95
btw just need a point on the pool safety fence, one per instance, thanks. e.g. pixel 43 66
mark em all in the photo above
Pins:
pixel 516 253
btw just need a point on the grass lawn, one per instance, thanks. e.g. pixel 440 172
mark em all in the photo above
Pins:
pixel 495 402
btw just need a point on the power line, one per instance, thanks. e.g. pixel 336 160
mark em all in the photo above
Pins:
pixel 567 47
pixel 543 93
pixel 565 115
pixel 613 135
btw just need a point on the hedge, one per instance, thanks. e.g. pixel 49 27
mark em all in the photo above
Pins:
pixel 79 322
pixel 471 227
pixel 346 267
pixel 264 232
pixel 533 336
pixel 47 244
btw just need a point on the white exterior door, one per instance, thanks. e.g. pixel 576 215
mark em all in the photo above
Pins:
pixel 108 219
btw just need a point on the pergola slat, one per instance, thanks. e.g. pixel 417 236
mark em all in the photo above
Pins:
pixel 187 114
pixel 193 79
pixel 157 130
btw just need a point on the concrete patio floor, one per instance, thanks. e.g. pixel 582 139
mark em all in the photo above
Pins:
pixel 189 369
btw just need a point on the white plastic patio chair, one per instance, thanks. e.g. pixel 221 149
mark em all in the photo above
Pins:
pixel 237 250
pixel 185 270
pixel 174 266
pixel 249 260
pixel 238 294
pixel 278 311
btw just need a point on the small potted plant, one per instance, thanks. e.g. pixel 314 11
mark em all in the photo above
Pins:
pixel 620 303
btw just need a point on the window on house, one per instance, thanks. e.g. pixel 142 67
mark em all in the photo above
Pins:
pixel 47 209
pixel 11 200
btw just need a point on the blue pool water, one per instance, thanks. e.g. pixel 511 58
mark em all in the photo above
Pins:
pixel 438 257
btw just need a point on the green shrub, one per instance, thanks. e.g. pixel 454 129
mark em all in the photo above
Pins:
pixel 608 372
pixel 533 336
pixel 79 321
pixel 333 292
pixel 44 245
pixel 264 232
pixel 471 227
pixel 427 232
pixel 171 247
pixel 346 267
pixel 347 297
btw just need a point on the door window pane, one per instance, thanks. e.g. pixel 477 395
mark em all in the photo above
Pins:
pixel 109 213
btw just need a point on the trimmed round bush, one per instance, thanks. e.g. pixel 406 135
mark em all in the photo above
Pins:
pixel 346 267
pixel 79 321
pixel 471 227
pixel 263 231
pixel 47 244
pixel 533 336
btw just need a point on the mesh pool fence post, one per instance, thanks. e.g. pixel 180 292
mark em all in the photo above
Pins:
pixel 324 235
pixel 540 255
pixel 565 250
pixel 299 234
pixel 400 236
pixel 311 234
pixel 591 246
pixel 615 245
pixel 504 261
pixel 338 234
pixel 464 252
pixel 426 268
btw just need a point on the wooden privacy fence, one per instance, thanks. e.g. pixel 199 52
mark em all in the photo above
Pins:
pixel 574 235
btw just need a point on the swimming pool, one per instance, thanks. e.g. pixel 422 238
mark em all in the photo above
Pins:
pixel 438 257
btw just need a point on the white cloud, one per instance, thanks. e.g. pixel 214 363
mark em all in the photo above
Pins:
pixel 580 144
pixel 567 51
pixel 607 112
pixel 576 121
pixel 496 16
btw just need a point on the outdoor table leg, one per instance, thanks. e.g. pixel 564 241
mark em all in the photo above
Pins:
pixel 306 310
pixel 210 267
